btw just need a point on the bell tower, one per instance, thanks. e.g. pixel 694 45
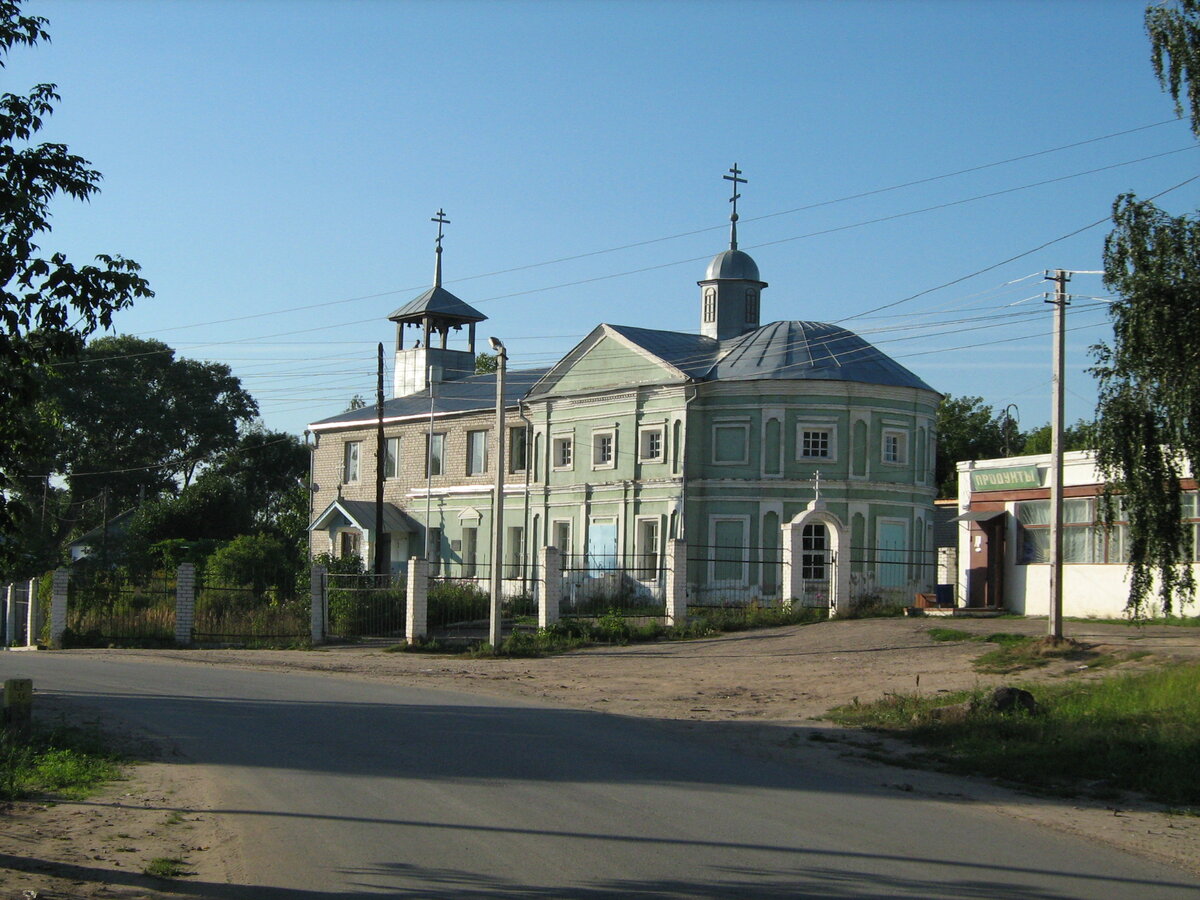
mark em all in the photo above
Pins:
pixel 434 315
pixel 731 292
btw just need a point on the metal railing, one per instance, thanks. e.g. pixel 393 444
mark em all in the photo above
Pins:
pixel 599 584
pixel 366 605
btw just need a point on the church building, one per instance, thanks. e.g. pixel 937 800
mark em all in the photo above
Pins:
pixel 718 437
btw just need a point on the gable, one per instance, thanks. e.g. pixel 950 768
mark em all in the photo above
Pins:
pixel 606 359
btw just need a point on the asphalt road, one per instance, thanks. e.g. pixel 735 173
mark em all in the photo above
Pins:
pixel 346 788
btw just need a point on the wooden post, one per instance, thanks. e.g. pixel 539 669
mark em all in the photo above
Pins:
pixel 18 704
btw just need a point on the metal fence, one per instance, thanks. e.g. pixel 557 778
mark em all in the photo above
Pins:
pixel 367 605
pixel 458 605
pixel 890 576
pixel 724 577
pixel 594 585
pixel 16 614
pixel 105 609
pixel 254 612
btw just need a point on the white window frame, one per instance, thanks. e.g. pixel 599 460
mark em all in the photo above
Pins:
pixel 902 438
pixel 391 457
pixel 554 526
pixel 647 572
pixel 476 434
pixel 561 462
pixel 513 432
pixel 598 437
pixel 645 436
pixel 430 440
pixel 351 462
pixel 470 564
pixel 743 579
pixel 830 430
pixel 745 429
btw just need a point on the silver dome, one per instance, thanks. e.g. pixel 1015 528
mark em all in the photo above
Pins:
pixel 733 264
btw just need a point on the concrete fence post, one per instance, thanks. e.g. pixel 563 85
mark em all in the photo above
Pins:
pixel 33 619
pixel 318 593
pixel 676 582
pixel 550 598
pixel 58 607
pixel 10 615
pixel 793 583
pixel 416 610
pixel 185 604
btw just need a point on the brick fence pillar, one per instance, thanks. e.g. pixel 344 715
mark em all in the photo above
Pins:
pixel 676 582
pixel 33 620
pixel 318 592
pixel 185 604
pixel 550 598
pixel 10 615
pixel 416 610
pixel 58 607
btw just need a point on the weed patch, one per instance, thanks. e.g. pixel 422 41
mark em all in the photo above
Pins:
pixel 66 762
pixel 166 867
pixel 1134 732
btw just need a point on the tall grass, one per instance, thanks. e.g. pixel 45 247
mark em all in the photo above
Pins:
pixel 1130 732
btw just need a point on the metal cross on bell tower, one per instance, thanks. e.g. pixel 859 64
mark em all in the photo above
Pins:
pixel 734 176
pixel 441 219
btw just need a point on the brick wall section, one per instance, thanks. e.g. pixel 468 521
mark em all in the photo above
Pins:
pixel 416 611
pixel 550 597
pixel 676 587
pixel 328 461
pixel 318 592
pixel 185 604
pixel 59 590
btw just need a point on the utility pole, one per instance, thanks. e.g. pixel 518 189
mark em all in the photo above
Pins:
pixel 1060 301
pixel 498 498
pixel 381 548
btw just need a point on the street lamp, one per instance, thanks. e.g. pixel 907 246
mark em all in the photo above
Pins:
pixel 497 496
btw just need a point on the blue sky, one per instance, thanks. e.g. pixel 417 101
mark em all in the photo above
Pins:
pixel 274 166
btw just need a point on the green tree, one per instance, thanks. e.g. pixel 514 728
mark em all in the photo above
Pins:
pixel 1080 436
pixel 967 428
pixel 486 363
pixel 48 304
pixel 1148 414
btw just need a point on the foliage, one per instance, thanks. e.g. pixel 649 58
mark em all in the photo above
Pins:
pixel 968 428
pixel 1080 436
pixel 1134 732
pixel 48 305
pixel 256 561
pixel 356 402
pixel 486 363
pixel 451 602
pixel 1148 415
pixel 67 762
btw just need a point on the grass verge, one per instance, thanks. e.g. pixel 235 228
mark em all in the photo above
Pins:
pixel 1135 732
pixel 1017 652
pixel 63 761
pixel 615 628
pixel 166 867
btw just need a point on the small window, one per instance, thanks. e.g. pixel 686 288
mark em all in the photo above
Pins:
pixel 391 462
pixel 562 536
pixel 604 447
pixel 729 444
pixel 562 453
pixel 435 459
pixel 751 306
pixel 470 551
pixel 895 447
pixel 817 442
pixel 710 304
pixel 518 449
pixel 814 552
pixel 647 549
pixel 650 445
pixel 513 551
pixel 476 452
pixel 350 544
pixel 433 552
pixel 351 451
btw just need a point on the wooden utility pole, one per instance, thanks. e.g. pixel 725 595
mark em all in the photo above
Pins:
pixel 380 546
pixel 1060 301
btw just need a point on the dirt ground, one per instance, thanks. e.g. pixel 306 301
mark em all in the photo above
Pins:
pixel 762 692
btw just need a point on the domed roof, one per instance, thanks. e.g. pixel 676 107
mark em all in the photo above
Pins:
pixel 733 264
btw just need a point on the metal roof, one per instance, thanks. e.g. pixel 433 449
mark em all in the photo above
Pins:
pixel 439 303
pixel 733 264
pixel 470 394
pixel 785 351
pixel 361 514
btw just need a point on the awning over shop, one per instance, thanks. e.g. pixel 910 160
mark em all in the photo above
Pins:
pixel 978 515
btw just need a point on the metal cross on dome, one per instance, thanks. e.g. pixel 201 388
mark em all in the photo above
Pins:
pixel 441 219
pixel 734 176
